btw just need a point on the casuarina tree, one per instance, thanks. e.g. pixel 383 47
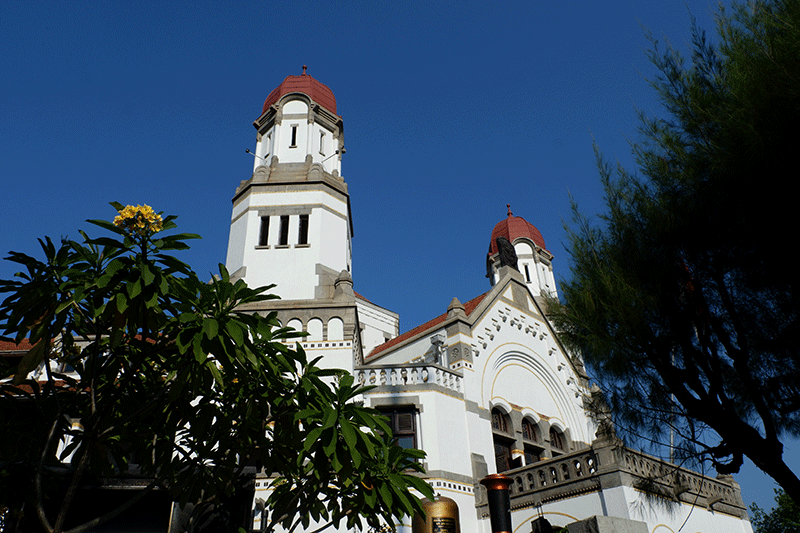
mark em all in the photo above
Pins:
pixel 683 294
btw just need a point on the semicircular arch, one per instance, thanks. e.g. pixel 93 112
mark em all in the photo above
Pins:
pixel 516 375
pixel 501 404
pixel 291 103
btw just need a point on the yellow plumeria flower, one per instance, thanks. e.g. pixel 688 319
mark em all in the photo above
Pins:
pixel 141 220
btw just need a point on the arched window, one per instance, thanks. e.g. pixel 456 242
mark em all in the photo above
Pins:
pixel 499 421
pixel 314 330
pixel 335 329
pixel 557 441
pixel 530 431
pixel 503 441
pixel 532 441
pixel 294 324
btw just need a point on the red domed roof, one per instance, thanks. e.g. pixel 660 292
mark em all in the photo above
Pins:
pixel 318 92
pixel 513 228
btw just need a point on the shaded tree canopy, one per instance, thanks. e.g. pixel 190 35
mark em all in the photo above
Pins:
pixel 155 374
pixel 784 518
pixel 683 296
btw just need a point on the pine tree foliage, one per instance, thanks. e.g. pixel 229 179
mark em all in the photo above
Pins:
pixel 683 296
pixel 784 518
pixel 163 378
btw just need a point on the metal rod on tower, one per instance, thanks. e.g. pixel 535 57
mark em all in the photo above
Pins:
pixel 254 155
pixel 333 154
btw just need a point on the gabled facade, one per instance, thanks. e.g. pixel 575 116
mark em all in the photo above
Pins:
pixel 485 387
pixel 490 388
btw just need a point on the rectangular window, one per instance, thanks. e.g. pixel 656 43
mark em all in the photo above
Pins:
pixel 294 136
pixel 403 425
pixel 502 455
pixel 263 236
pixel 527 274
pixel 532 455
pixel 322 143
pixel 302 237
pixel 283 240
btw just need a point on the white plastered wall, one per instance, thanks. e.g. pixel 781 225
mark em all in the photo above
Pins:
pixel 539 275
pixel 377 324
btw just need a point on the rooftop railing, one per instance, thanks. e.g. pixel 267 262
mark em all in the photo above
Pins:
pixel 609 464
pixel 409 376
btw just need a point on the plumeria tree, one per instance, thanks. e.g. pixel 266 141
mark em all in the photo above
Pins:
pixel 163 378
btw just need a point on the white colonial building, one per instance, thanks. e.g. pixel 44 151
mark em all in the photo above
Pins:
pixel 486 386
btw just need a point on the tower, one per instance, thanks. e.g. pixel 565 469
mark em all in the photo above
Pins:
pixel 291 223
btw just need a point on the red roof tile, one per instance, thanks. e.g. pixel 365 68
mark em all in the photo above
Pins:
pixel 359 296
pixel 317 91
pixel 9 346
pixel 469 307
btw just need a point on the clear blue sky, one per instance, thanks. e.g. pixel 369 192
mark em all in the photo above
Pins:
pixel 451 111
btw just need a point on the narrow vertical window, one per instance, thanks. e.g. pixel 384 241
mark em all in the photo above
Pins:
pixel 322 143
pixel 263 236
pixel 503 442
pixel 527 273
pixel 294 136
pixel 269 144
pixel 284 237
pixel 302 236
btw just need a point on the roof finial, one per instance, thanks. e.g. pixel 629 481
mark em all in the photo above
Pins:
pixel 304 70
pixel 509 209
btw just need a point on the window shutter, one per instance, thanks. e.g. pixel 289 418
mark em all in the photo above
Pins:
pixel 405 422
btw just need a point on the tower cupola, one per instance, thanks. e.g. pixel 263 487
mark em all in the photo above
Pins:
pixel 299 124
pixel 534 262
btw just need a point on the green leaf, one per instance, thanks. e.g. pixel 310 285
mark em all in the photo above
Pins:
pixel 331 445
pixel 349 434
pixel 386 494
pixel 346 381
pixel 355 456
pixel 199 354
pixel 335 462
pixel 63 305
pixel 401 496
pixel 312 438
pixel 330 418
pixel 236 332
pixel 212 366
pixel 147 275
pixel 423 487
pixel 210 328
pixel 188 317
pixel 305 414
pixel 134 289
pixel 371 497
pixel 30 361
pixel 152 300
